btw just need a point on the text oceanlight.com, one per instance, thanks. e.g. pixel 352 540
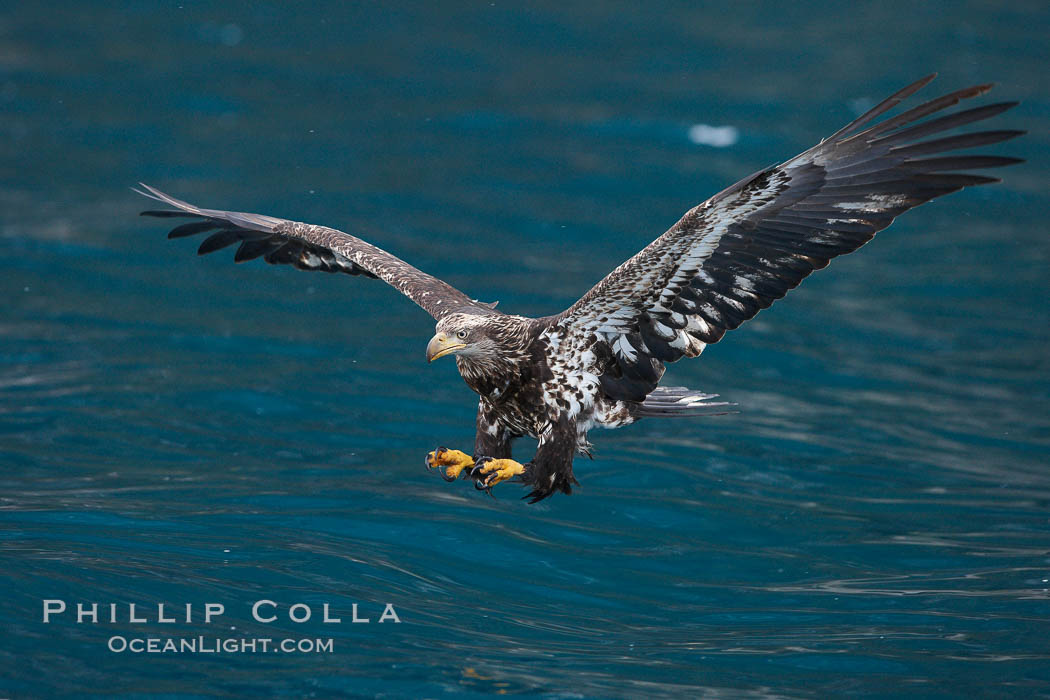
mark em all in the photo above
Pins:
pixel 218 645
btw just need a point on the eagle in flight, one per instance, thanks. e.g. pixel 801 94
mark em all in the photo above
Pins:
pixel 599 362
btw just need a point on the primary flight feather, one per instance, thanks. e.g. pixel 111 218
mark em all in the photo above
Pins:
pixel 599 363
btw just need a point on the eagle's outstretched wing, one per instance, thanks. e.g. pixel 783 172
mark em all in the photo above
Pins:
pixel 310 247
pixel 739 251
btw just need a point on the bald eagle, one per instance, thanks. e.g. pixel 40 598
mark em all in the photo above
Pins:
pixel 599 362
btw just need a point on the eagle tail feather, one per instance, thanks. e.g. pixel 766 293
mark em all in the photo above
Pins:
pixel 680 402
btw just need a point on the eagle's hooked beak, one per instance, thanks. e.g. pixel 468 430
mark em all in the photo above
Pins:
pixel 441 345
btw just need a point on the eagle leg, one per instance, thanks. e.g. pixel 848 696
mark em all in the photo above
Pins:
pixel 488 471
pixel 454 462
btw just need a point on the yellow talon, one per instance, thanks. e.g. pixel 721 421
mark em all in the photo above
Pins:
pixel 454 462
pixel 498 470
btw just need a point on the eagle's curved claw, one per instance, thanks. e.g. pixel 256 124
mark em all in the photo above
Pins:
pixel 453 461
pixel 488 471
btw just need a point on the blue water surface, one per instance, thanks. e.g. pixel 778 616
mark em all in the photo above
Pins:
pixel 874 521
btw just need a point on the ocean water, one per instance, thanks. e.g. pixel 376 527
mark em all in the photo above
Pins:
pixel 874 521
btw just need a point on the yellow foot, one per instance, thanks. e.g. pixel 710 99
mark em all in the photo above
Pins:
pixel 453 461
pixel 490 472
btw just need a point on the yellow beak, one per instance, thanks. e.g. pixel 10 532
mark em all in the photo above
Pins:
pixel 441 345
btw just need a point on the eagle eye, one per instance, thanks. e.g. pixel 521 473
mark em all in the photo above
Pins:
pixel 461 334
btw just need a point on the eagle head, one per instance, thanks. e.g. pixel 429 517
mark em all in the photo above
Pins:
pixel 468 336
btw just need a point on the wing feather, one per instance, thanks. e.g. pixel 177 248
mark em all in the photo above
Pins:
pixel 309 247
pixel 738 252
